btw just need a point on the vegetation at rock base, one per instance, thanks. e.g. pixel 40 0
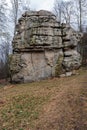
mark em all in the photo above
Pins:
pixel 59 68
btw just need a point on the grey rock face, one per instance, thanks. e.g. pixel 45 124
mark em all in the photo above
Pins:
pixel 72 59
pixel 43 48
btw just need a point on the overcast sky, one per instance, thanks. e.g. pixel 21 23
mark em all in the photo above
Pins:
pixel 41 4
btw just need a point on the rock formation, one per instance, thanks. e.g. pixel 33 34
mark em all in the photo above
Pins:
pixel 42 48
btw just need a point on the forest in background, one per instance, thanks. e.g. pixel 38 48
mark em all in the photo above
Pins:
pixel 70 12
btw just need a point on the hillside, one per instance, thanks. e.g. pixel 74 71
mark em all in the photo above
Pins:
pixel 54 104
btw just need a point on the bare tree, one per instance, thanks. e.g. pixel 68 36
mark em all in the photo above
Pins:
pixel 5 37
pixel 15 11
pixel 3 24
pixel 67 11
pixel 72 12
pixel 7 22
pixel 64 10
pixel 80 12
pixel 3 17
pixel 58 10
pixel 5 48
pixel 18 7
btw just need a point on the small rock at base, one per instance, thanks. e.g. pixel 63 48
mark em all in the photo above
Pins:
pixel 68 74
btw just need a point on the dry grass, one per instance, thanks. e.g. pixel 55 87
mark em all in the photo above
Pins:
pixel 54 104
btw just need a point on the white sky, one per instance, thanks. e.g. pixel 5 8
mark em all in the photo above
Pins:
pixel 41 4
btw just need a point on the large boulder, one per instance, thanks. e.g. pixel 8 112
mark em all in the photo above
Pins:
pixel 43 48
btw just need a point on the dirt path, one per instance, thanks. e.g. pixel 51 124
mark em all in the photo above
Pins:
pixel 67 109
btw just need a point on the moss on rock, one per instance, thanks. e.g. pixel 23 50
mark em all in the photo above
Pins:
pixel 59 68
pixel 14 63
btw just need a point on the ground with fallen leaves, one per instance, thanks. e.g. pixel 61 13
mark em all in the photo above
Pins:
pixel 54 104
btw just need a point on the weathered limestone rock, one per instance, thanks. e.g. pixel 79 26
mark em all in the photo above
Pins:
pixel 37 29
pixel 43 48
pixel 72 59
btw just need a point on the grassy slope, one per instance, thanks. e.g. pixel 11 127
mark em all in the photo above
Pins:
pixel 54 104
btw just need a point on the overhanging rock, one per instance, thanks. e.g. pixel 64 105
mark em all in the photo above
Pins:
pixel 42 48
